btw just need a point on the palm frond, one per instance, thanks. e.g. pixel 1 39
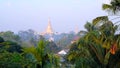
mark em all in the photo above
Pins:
pixel 100 19
pixel 106 6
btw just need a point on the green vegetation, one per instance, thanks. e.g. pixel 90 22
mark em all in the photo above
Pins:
pixel 13 55
pixel 98 46
pixel 10 36
pixel 113 7
pixel 41 57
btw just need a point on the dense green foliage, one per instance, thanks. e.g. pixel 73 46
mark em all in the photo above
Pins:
pixel 98 46
pixel 9 46
pixel 41 57
pixel 13 55
pixel 10 36
pixel 13 60
pixel 1 40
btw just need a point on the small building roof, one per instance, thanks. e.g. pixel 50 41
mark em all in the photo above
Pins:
pixel 62 52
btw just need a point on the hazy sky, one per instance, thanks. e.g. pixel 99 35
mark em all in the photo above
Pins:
pixel 65 15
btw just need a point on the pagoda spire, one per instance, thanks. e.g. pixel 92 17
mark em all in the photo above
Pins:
pixel 76 29
pixel 49 29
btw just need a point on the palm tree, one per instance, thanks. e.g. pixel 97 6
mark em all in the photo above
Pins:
pixel 110 41
pixel 114 6
pixel 41 57
pixel 101 43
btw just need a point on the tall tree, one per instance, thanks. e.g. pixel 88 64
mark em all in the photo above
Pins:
pixel 10 36
pixel 41 57
pixel 101 43
pixel 114 6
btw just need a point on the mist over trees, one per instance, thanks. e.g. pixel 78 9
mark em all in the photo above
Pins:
pixel 96 47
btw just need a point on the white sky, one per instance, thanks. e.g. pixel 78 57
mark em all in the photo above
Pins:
pixel 16 15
